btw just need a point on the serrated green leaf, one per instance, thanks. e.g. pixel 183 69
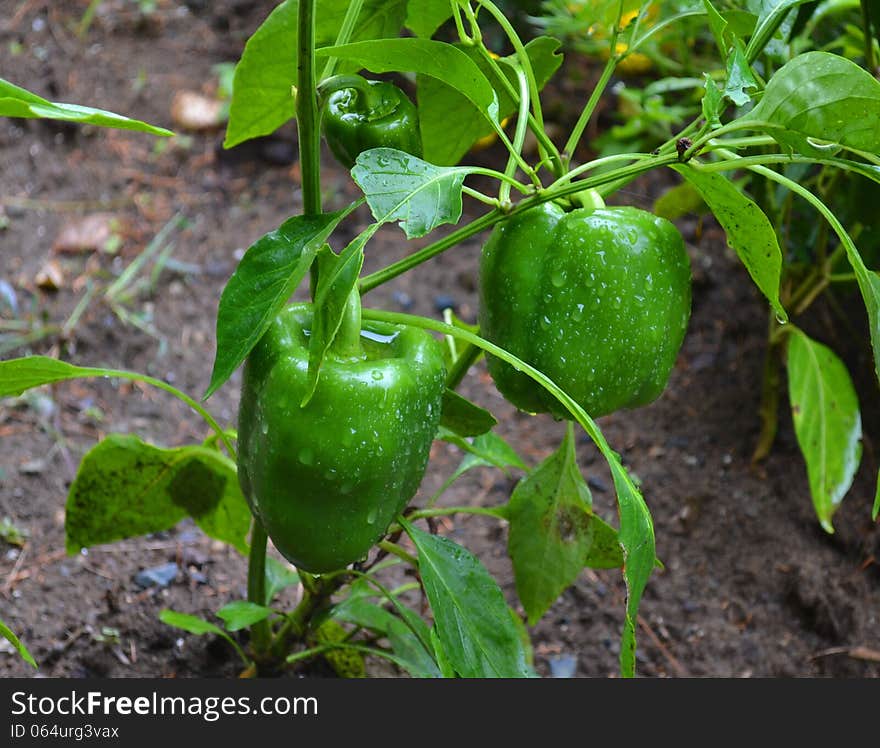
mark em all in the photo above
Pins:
pixel 827 422
pixel 261 285
pixel 125 488
pixel 19 102
pixel 748 230
pixel 239 614
pixel 739 76
pixel 400 187
pixel 816 97
pixel 22 650
pixel 471 616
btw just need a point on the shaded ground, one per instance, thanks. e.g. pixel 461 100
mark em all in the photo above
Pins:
pixel 751 585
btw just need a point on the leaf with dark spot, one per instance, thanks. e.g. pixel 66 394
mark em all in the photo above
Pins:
pixel 554 533
pixel 126 487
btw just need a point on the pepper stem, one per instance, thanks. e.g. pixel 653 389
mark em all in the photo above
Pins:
pixel 347 343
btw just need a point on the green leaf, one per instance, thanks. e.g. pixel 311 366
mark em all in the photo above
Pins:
pixel 240 614
pixel 409 647
pixel 876 509
pixel 191 624
pixel 262 92
pixel 279 576
pixel 463 417
pixel 20 374
pixel 819 96
pixel 337 278
pixel 552 530
pixel 739 76
pixel 770 17
pixel 22 650
pixel 450 124
pixel 470 613
pixel 827 422
pixel 426 57
pixel 446 669
pixel 718 26
pixel 125 487
pixel 486 450
pixel 678 201
pixel 400 187
pixel 637 539
pixel 424 17
pixel 19 102
pixel 261 285
pixel 748 230
pixel 713 102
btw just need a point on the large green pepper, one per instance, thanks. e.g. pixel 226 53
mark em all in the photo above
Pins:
pixel 598 300
pixel 359 114
pixel 326 480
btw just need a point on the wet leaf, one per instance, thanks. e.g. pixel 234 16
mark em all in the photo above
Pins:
pixel 827 422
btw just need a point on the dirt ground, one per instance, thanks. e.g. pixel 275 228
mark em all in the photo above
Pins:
pixel 751 586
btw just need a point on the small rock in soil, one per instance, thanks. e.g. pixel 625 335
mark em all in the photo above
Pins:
pixel 443 302
pixel 403 300
pixel 157 576
pixel 563 666
pixel 597 484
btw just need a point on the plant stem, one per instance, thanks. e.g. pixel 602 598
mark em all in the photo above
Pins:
pixel 589 108
pixel 396 550
pixel 462 364
pixel 768 410
pixel 256 585
pixel 307 114
pixel 348 23
pixel 499 512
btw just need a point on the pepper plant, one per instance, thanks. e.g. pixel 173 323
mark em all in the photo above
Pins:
pixel 583 308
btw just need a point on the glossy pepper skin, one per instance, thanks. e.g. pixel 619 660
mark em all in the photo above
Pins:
pixel 358 114
pixel 326 480
pixel 596 299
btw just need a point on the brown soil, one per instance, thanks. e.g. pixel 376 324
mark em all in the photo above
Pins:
pixel 751 586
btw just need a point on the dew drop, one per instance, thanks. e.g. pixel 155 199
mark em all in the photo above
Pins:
pixel 377 375
pixel 557 278
pixel 306 456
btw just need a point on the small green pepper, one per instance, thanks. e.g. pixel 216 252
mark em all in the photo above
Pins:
pixel 596 299
pixel 326 480
pixel 358 114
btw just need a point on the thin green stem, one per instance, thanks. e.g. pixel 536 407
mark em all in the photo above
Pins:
pixel 348 24
pixel 462 365
pixel 480 197
pixel 522 123
pixel 550 151
pixel 256 585
pixel 396 550
pixel 499 512
pixel 584 119
pixel 307 114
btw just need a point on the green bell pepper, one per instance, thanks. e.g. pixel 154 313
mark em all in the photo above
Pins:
pixel 596 299
pixel 359 114
pixel 326 480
